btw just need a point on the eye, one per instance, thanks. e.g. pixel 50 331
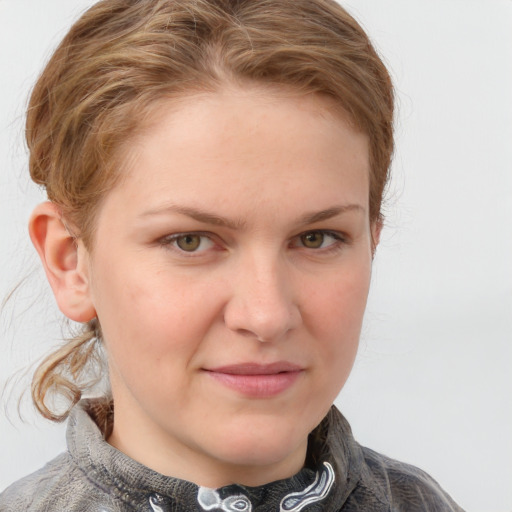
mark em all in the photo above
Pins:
pixel 188 242
pixel 320 239
pixel 313 240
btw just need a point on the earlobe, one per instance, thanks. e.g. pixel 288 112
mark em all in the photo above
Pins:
pixel 63 258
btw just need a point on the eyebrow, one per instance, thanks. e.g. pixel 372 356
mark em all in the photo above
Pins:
pixel 197 214
pixel 329 213
pixel 218 220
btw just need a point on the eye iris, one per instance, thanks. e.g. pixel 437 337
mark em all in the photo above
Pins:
pixel 188 243
pixel 313 240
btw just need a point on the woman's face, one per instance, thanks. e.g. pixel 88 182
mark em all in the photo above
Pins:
pixel 230 273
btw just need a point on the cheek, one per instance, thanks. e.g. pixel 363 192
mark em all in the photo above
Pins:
pixel 336 313
pixel 152 318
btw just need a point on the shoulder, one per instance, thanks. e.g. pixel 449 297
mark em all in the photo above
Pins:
pixel 404 486
pixel 23 494
pixel 377 482
pixel 59 485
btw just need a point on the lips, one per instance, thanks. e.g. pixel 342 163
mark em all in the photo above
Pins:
pixel 257 380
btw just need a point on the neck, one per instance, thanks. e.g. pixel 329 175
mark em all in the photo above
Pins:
pixel 163 452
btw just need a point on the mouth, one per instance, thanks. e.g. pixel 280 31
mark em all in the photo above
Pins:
pixel 257 380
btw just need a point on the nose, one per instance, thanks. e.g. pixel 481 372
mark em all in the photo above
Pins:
pixel 262 304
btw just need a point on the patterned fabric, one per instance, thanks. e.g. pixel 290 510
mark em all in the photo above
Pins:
pixel 94 476
pixel 210 499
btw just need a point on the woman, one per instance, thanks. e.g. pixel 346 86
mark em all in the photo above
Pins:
pixel 215 172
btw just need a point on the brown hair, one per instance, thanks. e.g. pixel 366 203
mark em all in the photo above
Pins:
pixel 122 56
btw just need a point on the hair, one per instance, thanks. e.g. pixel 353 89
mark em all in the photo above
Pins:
pixel 124 56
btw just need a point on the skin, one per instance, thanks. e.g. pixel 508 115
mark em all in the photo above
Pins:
pixel 272 189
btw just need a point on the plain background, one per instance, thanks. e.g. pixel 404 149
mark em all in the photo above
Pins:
pixel 432 384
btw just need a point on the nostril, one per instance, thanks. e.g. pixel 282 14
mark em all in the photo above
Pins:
pixel 246 332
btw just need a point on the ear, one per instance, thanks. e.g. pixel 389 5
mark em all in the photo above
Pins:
pixel 376 229
pixel 65 261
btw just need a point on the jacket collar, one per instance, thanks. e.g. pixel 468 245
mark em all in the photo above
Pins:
pixel 335 461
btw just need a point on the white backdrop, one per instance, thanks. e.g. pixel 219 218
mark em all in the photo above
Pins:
pixel 432 384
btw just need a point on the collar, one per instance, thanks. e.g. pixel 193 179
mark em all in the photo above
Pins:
pixel 335 462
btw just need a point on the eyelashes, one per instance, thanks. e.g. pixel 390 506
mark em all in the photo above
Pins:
pixel 319 239
pixel 194 244
pixel 191 242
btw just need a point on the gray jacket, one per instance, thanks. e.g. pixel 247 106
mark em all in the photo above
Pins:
pixel 340 476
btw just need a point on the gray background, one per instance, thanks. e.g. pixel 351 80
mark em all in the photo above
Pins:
pixel 432 384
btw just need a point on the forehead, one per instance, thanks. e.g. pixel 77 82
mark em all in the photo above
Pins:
pixel 256 142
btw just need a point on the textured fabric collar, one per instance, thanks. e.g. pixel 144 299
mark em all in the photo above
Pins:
pixel 324 485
